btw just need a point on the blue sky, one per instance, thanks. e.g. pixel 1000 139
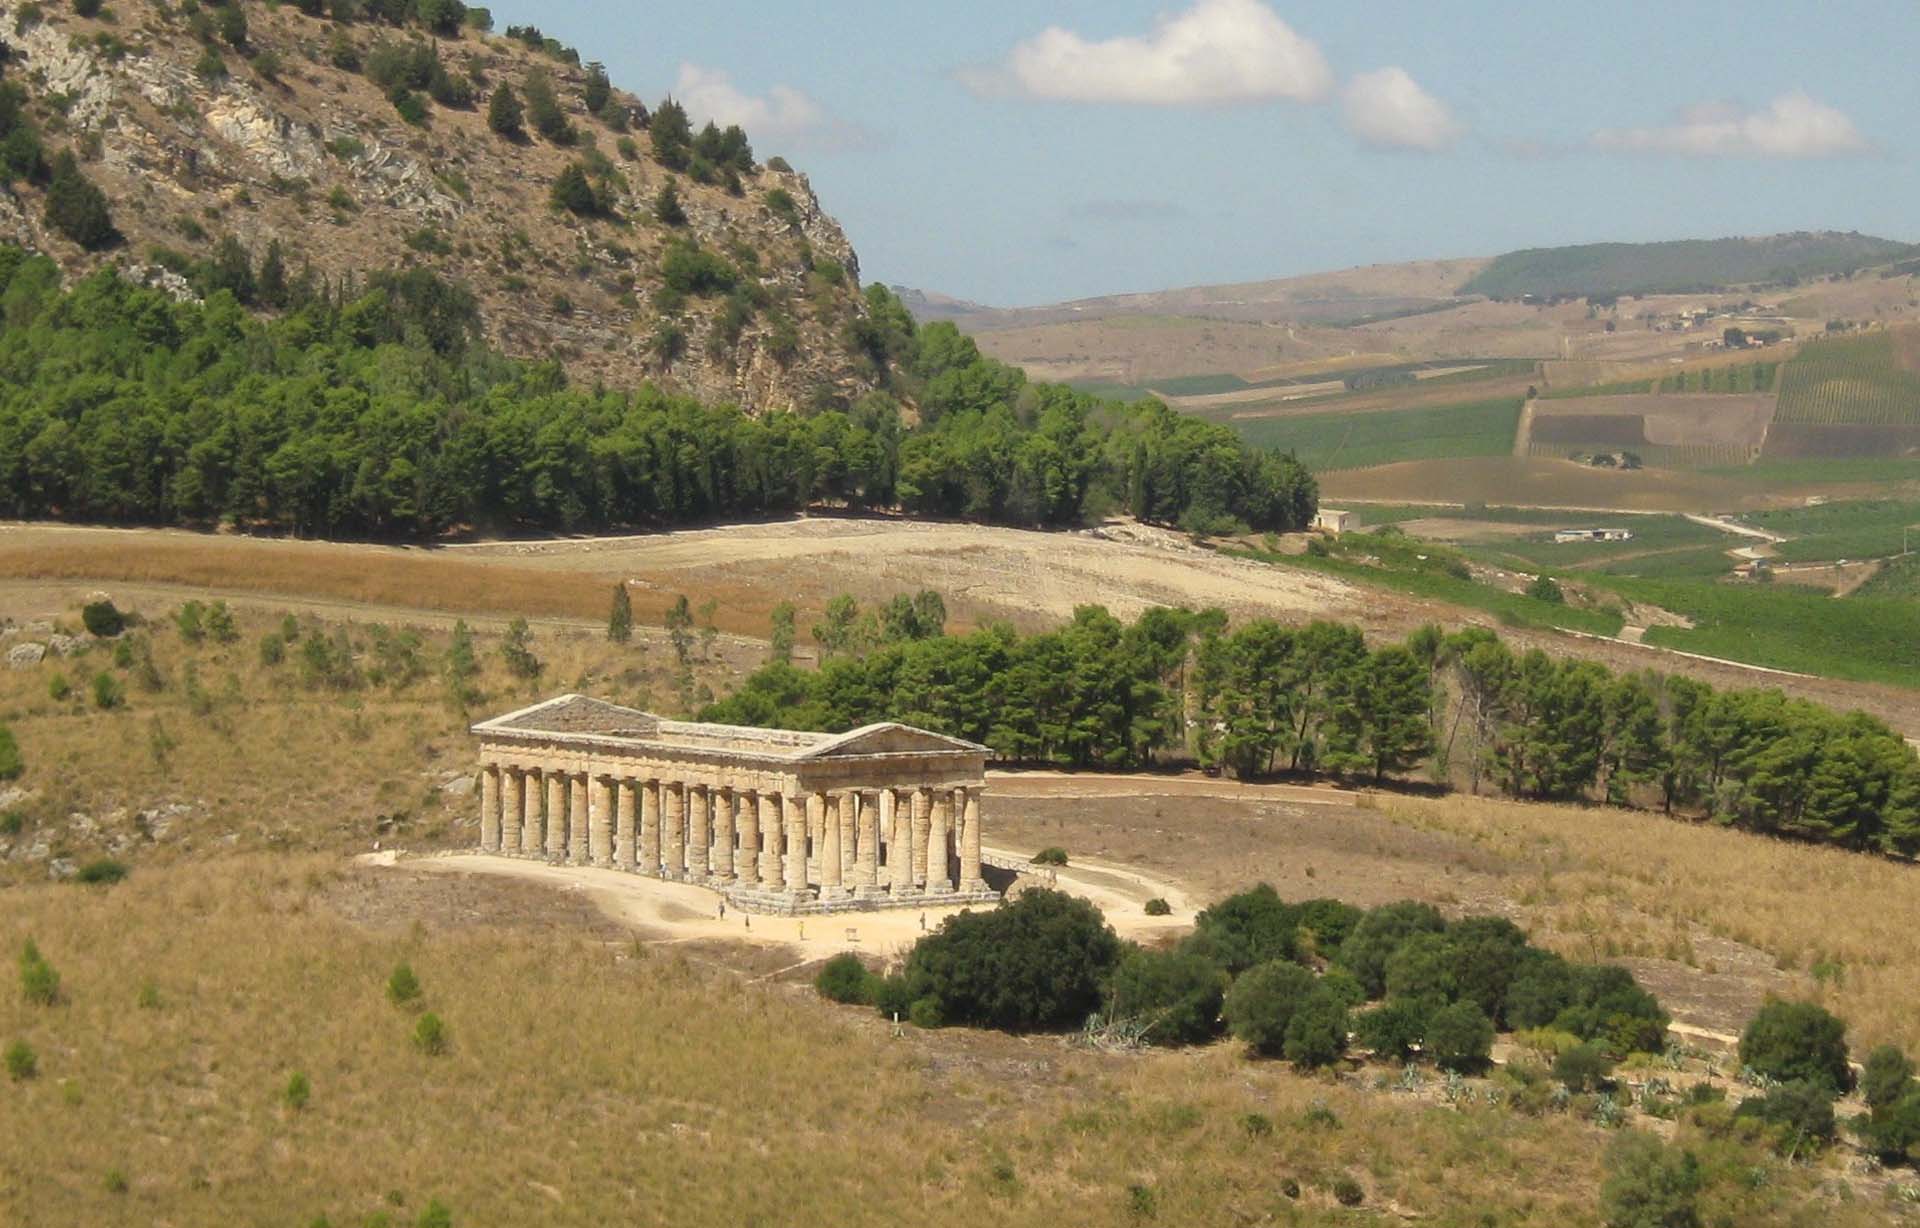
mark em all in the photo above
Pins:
pixel 1021 153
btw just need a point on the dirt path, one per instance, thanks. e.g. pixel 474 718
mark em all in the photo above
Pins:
pixel 681 912
pixel 1523 438
pixel 1726 525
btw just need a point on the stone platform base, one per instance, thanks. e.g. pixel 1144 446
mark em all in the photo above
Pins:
pixel 789 904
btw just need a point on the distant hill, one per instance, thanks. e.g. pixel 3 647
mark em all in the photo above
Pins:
pixel 1681 267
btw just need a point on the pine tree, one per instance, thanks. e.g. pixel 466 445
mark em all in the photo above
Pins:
pixel 672 136
pixel 598 89
pixel 620 621
pixel 505 114
pixel 76 208
pixel 573 192
pixel 272 281
pixel 666 206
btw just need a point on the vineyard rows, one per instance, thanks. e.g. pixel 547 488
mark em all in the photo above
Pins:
pixel 1849 380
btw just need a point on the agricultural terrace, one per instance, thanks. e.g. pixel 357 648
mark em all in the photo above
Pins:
pixel 1661 429
pixel 1720 378
pixel 1335 441
pixel 1869 380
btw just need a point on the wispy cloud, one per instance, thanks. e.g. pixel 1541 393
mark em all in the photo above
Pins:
pixel 783 116
pixel 1387 109
pixel 1794 125
pixel 1218 51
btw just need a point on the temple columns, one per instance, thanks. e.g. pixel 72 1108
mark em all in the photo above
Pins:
pixel 577 818
pixel 922 825
pixel 843 813
pixel 673 829
pixel 900 848
pixel 796 823
pixel 939 824
pixel 556 815
pixel 746 825
pixel 723 833
pixel 970 879
pixel 623 826
pixel 650 829
pixel 770 876
pixel 830 866
pixel 513 815
pixel 600 820
pixel 698 832
pixel 490 809
pixel 866 866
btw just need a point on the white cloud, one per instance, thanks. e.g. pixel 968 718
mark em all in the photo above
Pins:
pixel 1793 125
pixel 783 116
pixel 1387 108
pixel 1218 51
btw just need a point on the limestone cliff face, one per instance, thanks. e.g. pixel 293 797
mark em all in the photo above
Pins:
pixel 315 156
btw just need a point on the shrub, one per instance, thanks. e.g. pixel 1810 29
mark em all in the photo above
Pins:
pixel 22 1063
pixel 844 979
pixel 273 649
pixel 1459 1037
pixel 103 619
pixel 1328 922
pixel 1393 1028
pixel 1050 857
pixel 1790 1041
pixel 402 985
pixel 430 1035
pixel 107 691
pixel 892 997
pixel 1258 1125
pixel 1036 963
pixel 1175 995
pixel 1379 934
pixel 1347 1192
pixel 11 764
pixel 505 116
pixel 1582 1068
pixel 1649 1185
pixel 925 1013
pixel 77 208
pixel 1157 907
pixel 1317 1034
pixel 39 982
pixel 1251 928
pixel 1545 588
pixel 1486 953
pixel 103 870
pixel 1263 1001
pixel 1893 1131
pixel 297 1092
pixel 1799 1114
pixel 59 690
pixel 1888 1076
pixel 435 1214
pixel 1422 967
pixel 1344 986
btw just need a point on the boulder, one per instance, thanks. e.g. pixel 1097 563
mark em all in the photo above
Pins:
pixel 26 656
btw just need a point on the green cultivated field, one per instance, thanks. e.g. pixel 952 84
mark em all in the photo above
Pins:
pixel 1861 639
pixel 1357 441
pixel 1849 380
pixel 1653 536
pixel 1900 578
pixel 1741 378
pixel 1869 529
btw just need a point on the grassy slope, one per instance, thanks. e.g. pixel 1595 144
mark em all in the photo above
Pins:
pixel 1677 267
pixel 1866 529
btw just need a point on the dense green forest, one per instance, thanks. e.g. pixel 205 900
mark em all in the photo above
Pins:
pixel 381 412
pixel 1264 697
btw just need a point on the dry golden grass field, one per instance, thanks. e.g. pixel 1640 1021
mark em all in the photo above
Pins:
pixel 600 1073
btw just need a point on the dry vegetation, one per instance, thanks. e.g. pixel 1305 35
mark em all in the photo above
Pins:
pixel 590 1081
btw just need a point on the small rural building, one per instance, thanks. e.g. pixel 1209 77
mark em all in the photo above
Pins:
pixel 1564 536
pixel 1333 520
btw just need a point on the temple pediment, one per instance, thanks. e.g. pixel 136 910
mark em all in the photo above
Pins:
pixel 888 738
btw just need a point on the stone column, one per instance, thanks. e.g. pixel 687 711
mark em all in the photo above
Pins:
pixel 796 823
pixel 600 820
pixel 770 876
pixel 490 809
pixel 922 831
pixel 556 814
pixel 900 851
pixel 513 815
pixel 577 818
pixel 625 852
pixel 970 878
pixel 830 864
pixel 746 821
pixel 699 832
pixel 722 834
pixel 940 823
pixel 650 828
pixel 843 813
pixel 673 829
pixel 866 869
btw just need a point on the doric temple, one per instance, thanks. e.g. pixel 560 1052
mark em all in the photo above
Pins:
pixel 778 820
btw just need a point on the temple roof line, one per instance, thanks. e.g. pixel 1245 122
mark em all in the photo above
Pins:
pixel 582 718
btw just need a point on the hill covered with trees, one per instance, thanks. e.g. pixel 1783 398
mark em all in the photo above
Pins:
pixel 384 412
pixel 1679 267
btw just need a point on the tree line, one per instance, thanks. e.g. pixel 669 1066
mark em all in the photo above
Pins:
pixel 378 411
pixel 1263 697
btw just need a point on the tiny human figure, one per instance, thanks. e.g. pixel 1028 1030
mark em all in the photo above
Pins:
pixel 803 931
pixel 923 923
pixel 723 910
pixel 749 921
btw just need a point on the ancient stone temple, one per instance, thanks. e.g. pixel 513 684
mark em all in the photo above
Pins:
pixel 779 821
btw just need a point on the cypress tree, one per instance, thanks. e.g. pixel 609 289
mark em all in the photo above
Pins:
pixel 505 115
pixel 620 621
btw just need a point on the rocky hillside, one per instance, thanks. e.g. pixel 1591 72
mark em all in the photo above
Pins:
pixel 362 145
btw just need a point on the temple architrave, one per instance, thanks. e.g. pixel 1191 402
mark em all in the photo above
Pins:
pixel 776 820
